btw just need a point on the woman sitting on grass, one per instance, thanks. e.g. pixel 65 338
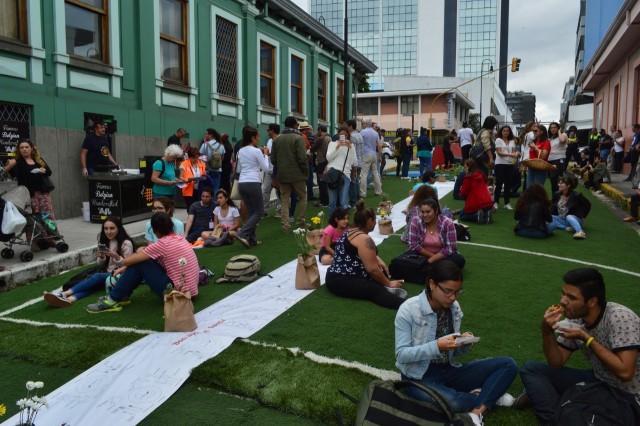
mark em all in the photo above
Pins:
pixel 168 262
pixel 338 223
pixel 428 179
pixel 413 208
pixel 569 208
pixel 477 200
pixel 357 272
pixel 425 349
pixel 532 213
pixel 433 235
pixel 227 215
pixel 118 244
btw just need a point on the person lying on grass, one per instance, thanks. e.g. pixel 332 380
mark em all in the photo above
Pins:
pixel 338 223
pixel 113 243
pixel 167 262
pixel 432 234
pixel 425 349
pixel 357 272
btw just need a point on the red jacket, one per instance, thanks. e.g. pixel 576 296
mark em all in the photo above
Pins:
pixel 474 188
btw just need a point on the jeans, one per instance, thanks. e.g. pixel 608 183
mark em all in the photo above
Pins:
pixel 94 283
pixel 604 154
pixel 558 222
pixel 194 234
pixel 251 193
pixel 398 165
pixel 354 188
pixel 536 176
pixel 425 164
pixel 545 385
pixel 216 177
pixel 531 233
pixel 406 162
pixel 149 271
pixel 312 169
pixel 492 375
pixel 555 175
pixel 339 197
pixel 503 182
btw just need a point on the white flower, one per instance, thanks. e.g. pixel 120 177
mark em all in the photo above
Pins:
pixel 320 214
pixel 22 403
pixel 31 385
pixel 182 261
pixel 38 385
pixel 40 399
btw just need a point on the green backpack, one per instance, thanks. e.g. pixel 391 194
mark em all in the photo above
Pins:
pixel 384 403
pixel 241 268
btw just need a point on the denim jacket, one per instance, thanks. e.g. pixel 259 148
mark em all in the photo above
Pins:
pixel 416 343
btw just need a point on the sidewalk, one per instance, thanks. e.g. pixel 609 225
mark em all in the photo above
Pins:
pixel 82 238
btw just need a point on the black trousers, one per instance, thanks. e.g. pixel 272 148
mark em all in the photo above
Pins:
pixel 362 288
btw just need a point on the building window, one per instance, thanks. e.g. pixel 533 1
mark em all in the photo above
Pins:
pixel 367 106
pixel 408 104
pixel 267 75
pixel 227 57
pixel 340 118
pixel 616 101
pixel 297 66
pixel 87 24
pixel 322 95
pixel 173 40
pixel 13 20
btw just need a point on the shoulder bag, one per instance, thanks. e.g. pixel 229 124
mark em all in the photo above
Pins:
pixel 47 184
pixel 333 177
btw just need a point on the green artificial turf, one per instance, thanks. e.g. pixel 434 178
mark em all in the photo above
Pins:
pixel 506 294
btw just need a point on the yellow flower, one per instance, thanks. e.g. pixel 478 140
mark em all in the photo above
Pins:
pixel 315 220
pixel 3 409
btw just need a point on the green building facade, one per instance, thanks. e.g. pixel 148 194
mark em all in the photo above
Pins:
pixel 149 67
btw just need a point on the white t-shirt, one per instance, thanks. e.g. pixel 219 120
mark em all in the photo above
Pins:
pixel 617 147
pixel 465 134
pixel 509 147
pixel 250 161
pixel 230 219
pixel 270 147
pixel 558 149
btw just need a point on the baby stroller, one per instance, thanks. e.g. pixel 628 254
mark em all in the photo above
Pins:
pixel 40 229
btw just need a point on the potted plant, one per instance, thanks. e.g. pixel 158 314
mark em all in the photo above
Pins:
pixel 314 235
pixel 31 405
pixel 307 272
pixel 385 203
pixel 385 226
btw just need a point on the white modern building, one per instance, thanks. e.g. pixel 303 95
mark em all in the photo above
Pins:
pixel 460 39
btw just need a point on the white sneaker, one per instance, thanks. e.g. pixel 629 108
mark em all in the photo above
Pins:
pixel 476 419
pixel 508 207
pixel 495 206
pixel 505 400
pixel 580 235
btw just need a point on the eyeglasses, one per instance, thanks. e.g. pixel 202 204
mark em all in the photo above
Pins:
pixel 450 293
pixel 157 209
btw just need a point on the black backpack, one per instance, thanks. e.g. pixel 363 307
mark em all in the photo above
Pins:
pixel 596 404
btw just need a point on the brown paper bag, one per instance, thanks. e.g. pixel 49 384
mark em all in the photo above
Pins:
pixel 178 312
pixel 307 273
pixel 314 238
pixel 385 227
pixel 217 231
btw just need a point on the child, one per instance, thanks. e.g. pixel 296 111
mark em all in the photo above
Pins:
pixel 338 223
pixel 491 185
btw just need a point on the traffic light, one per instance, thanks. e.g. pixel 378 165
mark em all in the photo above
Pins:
pixel 515 64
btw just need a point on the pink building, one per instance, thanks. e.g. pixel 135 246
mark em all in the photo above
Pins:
pixel 613 74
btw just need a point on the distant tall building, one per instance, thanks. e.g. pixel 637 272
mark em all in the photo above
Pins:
pixel 522 106
pixel 439 38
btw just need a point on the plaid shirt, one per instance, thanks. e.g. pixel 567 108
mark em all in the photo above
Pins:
pixel 446 231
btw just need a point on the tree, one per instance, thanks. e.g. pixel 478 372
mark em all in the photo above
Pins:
pixel 474 123
pixel 363 84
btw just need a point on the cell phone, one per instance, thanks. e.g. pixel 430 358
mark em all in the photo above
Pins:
pixel 103 247
pixel 343 138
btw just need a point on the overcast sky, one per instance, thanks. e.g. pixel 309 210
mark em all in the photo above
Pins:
pixel 543 34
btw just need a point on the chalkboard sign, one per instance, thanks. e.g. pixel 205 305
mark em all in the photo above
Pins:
pixel 104 199
pixel 11 132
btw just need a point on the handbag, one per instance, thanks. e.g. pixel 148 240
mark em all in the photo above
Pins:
pixel 12 221
pixel 412 268
pixel 539 164
pixel 178 312
pixel 307 273
pixel 333 177
pixel 235 191
pixel 275 182
pixel 47 184
pixel 478 153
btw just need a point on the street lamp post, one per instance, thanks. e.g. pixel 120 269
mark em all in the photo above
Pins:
pixel 345 57
pixel 482 78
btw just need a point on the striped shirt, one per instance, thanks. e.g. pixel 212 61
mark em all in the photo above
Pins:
pixel 168 251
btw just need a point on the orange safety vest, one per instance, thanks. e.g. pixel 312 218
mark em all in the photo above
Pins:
pixel 187 172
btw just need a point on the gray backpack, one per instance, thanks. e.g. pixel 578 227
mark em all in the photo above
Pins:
pixel 241 268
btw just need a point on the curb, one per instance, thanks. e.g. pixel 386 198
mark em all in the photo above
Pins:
pixel 54 265
pixel 617 195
